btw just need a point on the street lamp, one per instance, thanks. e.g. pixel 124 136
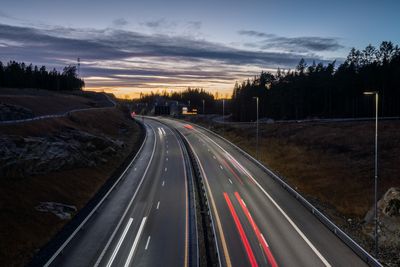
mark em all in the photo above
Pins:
pixel 223 110
pixel 203 106
pixel 376 93
pixel 256 98
pixel 223 115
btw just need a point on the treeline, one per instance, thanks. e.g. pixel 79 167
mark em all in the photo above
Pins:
pixel 20 75
pixel 192 97
pixel 324 91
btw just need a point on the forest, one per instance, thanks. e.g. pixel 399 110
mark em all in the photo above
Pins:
pixel 20 75
pixel 192 97
pixel 325 91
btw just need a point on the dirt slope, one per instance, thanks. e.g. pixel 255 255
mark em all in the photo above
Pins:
pixel 23 230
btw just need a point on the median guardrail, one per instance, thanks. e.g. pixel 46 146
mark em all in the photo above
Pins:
pixel 209 248
pixel 361 252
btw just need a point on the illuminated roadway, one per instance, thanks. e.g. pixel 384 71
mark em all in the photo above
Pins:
pixel 144 221
pixel 257 222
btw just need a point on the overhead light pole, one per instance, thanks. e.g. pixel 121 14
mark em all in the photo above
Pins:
pixel 223 115
pixel 256 98
pixel 376 93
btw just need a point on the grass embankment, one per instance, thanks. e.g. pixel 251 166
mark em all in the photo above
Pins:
pixel 331 164
pixel 23 230
pixel 43 102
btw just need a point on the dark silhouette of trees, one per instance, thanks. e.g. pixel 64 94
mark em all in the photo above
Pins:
pixel 324 91
pixel 193 95
pixel 20 75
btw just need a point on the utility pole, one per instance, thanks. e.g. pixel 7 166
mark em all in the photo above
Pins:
pixel 376 93
pixel 256 98
pixel 223 115
pixel 203 107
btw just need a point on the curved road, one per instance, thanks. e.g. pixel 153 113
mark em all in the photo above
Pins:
pixel 258 223
pixel 144 221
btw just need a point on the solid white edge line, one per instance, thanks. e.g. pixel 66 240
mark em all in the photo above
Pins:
pixel 135 242
pixel 121 239
pixel 130 203
pixel 326 263
pixel 60 249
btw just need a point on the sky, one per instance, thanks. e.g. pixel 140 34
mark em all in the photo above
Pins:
pixel 130 47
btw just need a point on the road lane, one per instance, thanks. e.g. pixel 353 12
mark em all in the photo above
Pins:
pixel 293 235
pixel 159 236
pixel 144 221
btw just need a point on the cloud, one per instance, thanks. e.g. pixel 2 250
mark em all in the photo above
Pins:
pixel 256 34
pixel 194 25
pixel 119 44
pixel 119 22
pixel 159 24
pixel 303 44
pixel 307 44
pixel 137 59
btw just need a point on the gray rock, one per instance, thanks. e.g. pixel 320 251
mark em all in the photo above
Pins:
pixel 62 211
pixel 13 112
pixel 21 157
pixel 388 217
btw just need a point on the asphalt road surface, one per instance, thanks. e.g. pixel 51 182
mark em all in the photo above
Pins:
pixel 144 221
pixel 257 222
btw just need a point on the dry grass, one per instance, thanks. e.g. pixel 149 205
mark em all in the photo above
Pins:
pixel 23 230
pixel 43 102
pixel 330 162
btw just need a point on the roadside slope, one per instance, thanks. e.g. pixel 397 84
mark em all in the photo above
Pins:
pixel 24 229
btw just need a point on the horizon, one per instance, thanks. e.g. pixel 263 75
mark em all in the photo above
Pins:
pixel 129 49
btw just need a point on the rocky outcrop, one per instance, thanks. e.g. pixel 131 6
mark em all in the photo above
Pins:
pixel 25 156
pixel 62 211
pixel 388 217
pixel 13 112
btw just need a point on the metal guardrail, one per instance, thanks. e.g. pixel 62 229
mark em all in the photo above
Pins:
pixel 303 120
pixel 361 252
pixel 47 260
pixel 65 114
pixel 190 172
pixel 204 198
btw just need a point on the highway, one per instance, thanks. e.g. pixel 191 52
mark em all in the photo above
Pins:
pixel 145 219
pixel 257 222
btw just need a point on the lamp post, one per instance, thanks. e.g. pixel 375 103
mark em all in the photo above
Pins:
pixel 376 93
pixel 256 98
pixel 223 115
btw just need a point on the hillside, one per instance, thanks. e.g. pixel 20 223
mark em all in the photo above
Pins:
pixel 63 160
